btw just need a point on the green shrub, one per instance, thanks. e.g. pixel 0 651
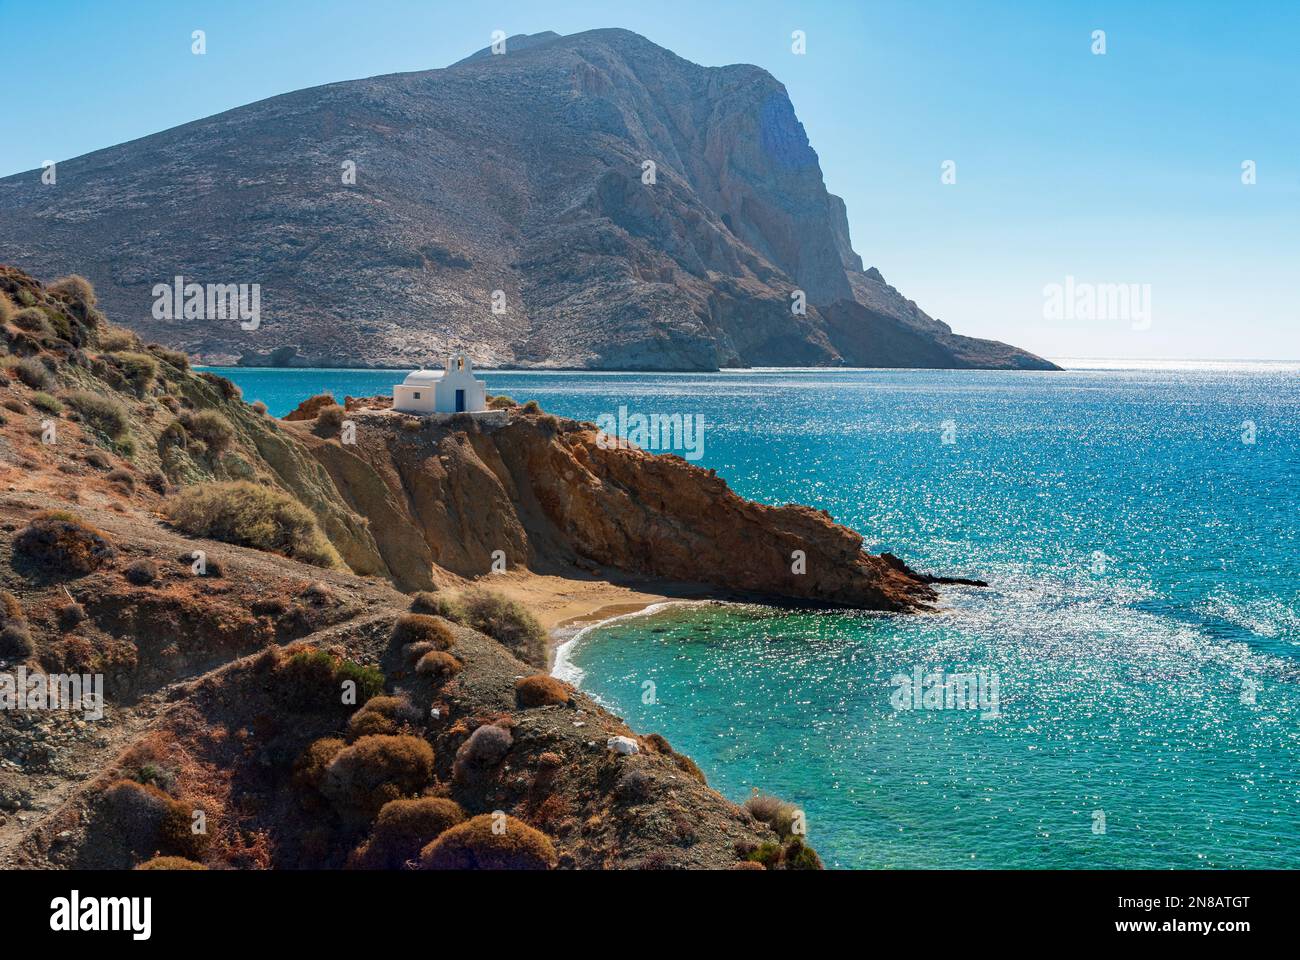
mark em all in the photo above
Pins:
pixel 403 829
pixel 478 844
pixel 376 770
pixel 150 821
pixel 47 404
pixel 541 690
pixel 314 678
pixel 34 373
pixel 103 414
pixel 211 428
pixel 420 628
pixel 532 406
pixel 7 308
pixel 63 543
pixel 501 402
pixel 505 621
pixel 252 515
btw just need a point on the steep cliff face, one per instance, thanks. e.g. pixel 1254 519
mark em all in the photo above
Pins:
pixel 522 173
pixel 553 497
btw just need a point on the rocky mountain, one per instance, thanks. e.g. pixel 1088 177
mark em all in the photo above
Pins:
pixel 503 206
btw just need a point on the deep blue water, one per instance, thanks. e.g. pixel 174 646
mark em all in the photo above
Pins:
pixel 1143 620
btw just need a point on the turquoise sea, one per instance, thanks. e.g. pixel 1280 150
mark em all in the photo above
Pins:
pixel 1139 529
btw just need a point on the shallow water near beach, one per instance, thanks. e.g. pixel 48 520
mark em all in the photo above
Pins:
pixel 1142 622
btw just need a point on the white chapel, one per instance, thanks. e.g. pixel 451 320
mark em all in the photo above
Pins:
pixel 453 390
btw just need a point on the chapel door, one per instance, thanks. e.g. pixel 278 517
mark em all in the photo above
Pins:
pixel 460 401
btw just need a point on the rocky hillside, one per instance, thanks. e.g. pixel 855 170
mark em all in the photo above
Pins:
pixel 520 173
pixel 235 580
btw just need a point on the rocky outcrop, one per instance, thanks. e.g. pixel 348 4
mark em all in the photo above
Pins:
pixel 520 174
pixel 552 497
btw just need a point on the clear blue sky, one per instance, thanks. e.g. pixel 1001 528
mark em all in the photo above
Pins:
pixel 1123 168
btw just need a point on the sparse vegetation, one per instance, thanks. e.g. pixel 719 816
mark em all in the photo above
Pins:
pixel 480 755
pixel 15 635
pixel 505 621
pixel 175 358
pixel 420 628
pixel 435 604
pixel 211 428
pixel 382 715
pixel 142 572
pixel 376 770
pixel 501 402
pixel 100 413
pixel 403 829
pixel 532 406
pixel 252 515
pixel 46 403
pixel 225 387
pixel 140 370
pixel 62 543
pixel 34 373
pixel 32 320
pixel 477 844
pixel 438 663
pixel 314 677
pixel 541 690
pixel 329 420
pixel 113 339
pixel 170 863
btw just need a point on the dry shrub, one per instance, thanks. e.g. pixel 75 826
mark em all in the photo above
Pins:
pixel 174 357
pixel 113 339
pixel 139 369
pixel 505 621
pixel 211 428
pixel 541 690
pixel 381 715
pixel 32 320
pixel 101 413
pixel 375 770
pixel 436 604
pixel 75 289
pixel 480 755
pixel 329 420
pixel 403 829
pixel 142 572
pixel 412 628
pixel 122 478
pixel 776 813
pixel 309 769
pixel 683 762
pixel 226 388
pixel 15 636
pixel 147 819
pixel 34 373
pixel 170 863
pixel 438 663
pixel 481 844
pixel 62 543
pixel 253 515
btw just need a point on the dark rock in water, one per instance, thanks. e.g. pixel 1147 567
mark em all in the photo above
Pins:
pixel 897 564
pixel 519 173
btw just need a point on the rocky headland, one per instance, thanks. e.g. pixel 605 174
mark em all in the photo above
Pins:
pixel 297 635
